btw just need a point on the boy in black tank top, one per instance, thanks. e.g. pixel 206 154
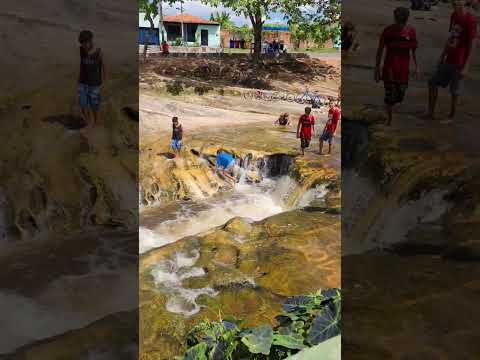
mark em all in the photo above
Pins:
pixel 92 75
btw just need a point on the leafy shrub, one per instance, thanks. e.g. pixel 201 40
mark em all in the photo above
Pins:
pixel 307 320
pixel 175 87
pixel 178 42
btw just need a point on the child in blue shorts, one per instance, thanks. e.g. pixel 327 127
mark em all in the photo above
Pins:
pixel 92 76
pixel 177 135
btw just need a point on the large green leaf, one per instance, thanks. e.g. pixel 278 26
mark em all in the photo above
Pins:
pixel 329 294
pixel 326 324
pixel 197 352
pixel 205 331
pixel 223 350
pixel 258 340
pixel 327 350
pixel 292 341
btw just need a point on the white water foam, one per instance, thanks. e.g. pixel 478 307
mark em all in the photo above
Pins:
pixel 168 276
pixel 251 201
pixel 316 193
pixel 255 202
pixel 393 224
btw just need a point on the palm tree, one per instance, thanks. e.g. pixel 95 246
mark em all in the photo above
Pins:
pixel 224 20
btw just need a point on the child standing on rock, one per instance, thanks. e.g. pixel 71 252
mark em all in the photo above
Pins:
pixel 177 135
pixel 455 60
pixel 92 76
pixel 400 40
pixel 334 115
pixel 305 129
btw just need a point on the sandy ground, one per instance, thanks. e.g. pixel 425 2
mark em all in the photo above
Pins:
pixel 197 112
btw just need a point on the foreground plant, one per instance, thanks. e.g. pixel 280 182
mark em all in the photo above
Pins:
pixel 307 321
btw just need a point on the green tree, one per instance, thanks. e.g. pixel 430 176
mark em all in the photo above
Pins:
pixel 223 19
pixel 150 8
pixel 323 12
pixel 320 24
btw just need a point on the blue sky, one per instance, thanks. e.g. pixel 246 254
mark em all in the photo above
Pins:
pixel 198 9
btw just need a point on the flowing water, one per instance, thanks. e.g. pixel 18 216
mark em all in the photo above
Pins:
pixel 162 225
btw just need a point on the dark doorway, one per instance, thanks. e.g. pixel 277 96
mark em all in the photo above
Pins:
pixel 204 35
pixel 191 30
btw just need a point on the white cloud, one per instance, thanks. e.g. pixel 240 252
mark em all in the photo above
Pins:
pixel 197 8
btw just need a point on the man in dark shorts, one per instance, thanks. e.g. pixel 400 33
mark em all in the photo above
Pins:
pixel 92 76
pixel 305 129
pixel 334 115
pixel 400 40
pixel 455 59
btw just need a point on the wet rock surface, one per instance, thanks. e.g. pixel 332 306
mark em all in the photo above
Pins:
pixel 68 218
pixel 241 267
pixel 409 248
pixel 290 253
pixel 51 183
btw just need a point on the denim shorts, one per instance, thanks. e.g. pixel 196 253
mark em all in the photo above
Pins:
pixel 447 75
pixel 176 144
pixel 89 96
pixel 327 137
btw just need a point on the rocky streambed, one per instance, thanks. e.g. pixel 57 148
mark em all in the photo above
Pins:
pixel 211 250
pixel 68 216
pixel 409 244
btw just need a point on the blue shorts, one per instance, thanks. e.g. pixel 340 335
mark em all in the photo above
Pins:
pixel 89 96
pixel 448 75
pixel 327 136
pixel 176 144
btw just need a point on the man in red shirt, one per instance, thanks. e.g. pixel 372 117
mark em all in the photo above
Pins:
pixel 165 50
pixel 334 115
pixel 305 129
pixel 455 59
pixel 400 40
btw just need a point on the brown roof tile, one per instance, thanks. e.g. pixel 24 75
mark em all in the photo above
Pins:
pixel 188 19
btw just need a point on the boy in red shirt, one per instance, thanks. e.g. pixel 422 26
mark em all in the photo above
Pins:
pixel 334 115
pixel 455 59
pixel 400 40
pixel 305 129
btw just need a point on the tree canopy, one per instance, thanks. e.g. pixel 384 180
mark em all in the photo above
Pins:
pixel 319 18
pixel 223 18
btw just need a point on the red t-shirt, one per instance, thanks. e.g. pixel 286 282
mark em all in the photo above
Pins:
pixel 399 41
pixel 165 47
pixel 306 121
pixel 463 29
pixel 334 115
